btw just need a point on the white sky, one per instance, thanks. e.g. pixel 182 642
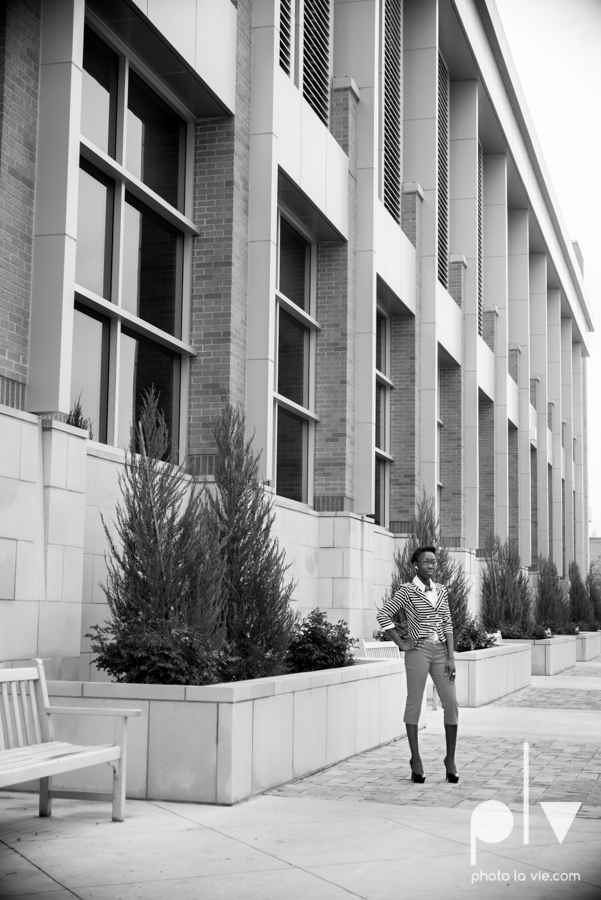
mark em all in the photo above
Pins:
pixel 556 48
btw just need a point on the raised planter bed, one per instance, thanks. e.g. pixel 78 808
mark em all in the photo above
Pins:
pixel 224 743
pixel 550 655
pixel 588 645
pixel 487 675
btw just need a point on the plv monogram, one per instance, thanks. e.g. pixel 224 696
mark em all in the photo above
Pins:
pixel 492 821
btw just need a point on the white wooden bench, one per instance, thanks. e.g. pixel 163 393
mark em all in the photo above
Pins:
pixel 387 650
pixel 28 750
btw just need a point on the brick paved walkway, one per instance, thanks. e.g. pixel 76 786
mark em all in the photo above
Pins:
pixel 490 768
pixel 552 698
pixel 585 670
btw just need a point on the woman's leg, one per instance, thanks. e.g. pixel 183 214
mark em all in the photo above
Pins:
pixel 448 696
pixel 416 668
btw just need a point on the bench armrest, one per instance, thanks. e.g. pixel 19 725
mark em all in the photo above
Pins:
pixel 91 711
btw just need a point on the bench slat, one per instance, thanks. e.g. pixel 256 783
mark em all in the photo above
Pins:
pixel 45 768
pixel 26 714
pixel 35 716
pixel 12 757
pixel 10 740
pixel 14 689
pixel 18 674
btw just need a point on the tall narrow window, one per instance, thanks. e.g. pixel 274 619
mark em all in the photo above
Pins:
pixel 443 172
pixel 296 327
pixel 480 241
pixel 392 107
pixel 316 56
pixel 383 388
pixel 133 239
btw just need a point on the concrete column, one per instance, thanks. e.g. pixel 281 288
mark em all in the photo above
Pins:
pixel 538 367
pixel 519 333
pixel 356 40
pixel 579 510
pixel 496 296
pixel 585 535
pixel 420 129
pixel 567 408
pixel 464 239
pixel 262 235
pixel 55 219
pixel 554 386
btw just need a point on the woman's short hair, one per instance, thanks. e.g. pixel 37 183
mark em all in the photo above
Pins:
pixel 419 552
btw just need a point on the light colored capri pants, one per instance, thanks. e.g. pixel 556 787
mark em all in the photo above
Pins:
pixel 429 658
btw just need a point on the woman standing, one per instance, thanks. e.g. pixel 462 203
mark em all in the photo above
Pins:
pixel 429 649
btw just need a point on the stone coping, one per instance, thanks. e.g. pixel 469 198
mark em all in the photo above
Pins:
pixel 232 692
pixel 488 652
pixel 556 639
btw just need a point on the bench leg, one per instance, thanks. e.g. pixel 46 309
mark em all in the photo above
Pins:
pixel 119 768
pixel 45 798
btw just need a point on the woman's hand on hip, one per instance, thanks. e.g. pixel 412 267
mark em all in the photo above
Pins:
pixel 412 645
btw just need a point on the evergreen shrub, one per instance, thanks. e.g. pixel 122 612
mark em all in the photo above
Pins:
pixel 506 595
pixel 318 644
pixel 593 585
pixel 165 569
pixel 551 608
pixel 581 608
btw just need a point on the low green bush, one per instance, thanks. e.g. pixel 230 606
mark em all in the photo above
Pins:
pixel 143 654
pixel 473 636
pixel 318 644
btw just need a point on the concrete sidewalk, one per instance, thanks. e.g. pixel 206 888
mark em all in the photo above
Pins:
pixel 318 839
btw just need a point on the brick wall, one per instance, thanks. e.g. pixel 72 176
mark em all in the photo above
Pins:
pixel 489 325
pixel 220 261
pixel 405 405
pixel 513 364
pixel 335 343
pixel 534 382
pixel 486 469
pixel 452 500
pixel 534 503
pixel 457 281
pixel 19 79
pixel 514 484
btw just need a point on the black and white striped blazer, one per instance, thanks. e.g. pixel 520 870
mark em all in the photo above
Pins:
pixel 422 617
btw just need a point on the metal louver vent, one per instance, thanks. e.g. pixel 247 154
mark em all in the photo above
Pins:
pixel 285 35
pixel 316 57
pixel 392 107
pixel 480 242
pixel 443 172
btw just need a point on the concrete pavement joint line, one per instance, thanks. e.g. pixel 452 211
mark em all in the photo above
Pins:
pixel 62 887
pixel 273 856
pixel 506 856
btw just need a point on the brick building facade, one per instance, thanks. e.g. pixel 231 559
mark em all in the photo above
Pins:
pixel 334 214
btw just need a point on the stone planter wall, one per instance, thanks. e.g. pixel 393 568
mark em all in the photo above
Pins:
pixel 553 655
pixel 487 675
pixel 588 645
pixel 226 742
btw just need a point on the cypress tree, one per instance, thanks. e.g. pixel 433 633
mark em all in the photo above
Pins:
pixel 257 616
pixel 165 569
pixel 581 608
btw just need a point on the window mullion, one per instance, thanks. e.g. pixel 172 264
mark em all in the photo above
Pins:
pixel 118 225
pixel 113 382
pixel 121 135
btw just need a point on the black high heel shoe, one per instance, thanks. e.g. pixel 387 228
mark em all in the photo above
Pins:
pixel 418 779
pixel 452 777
